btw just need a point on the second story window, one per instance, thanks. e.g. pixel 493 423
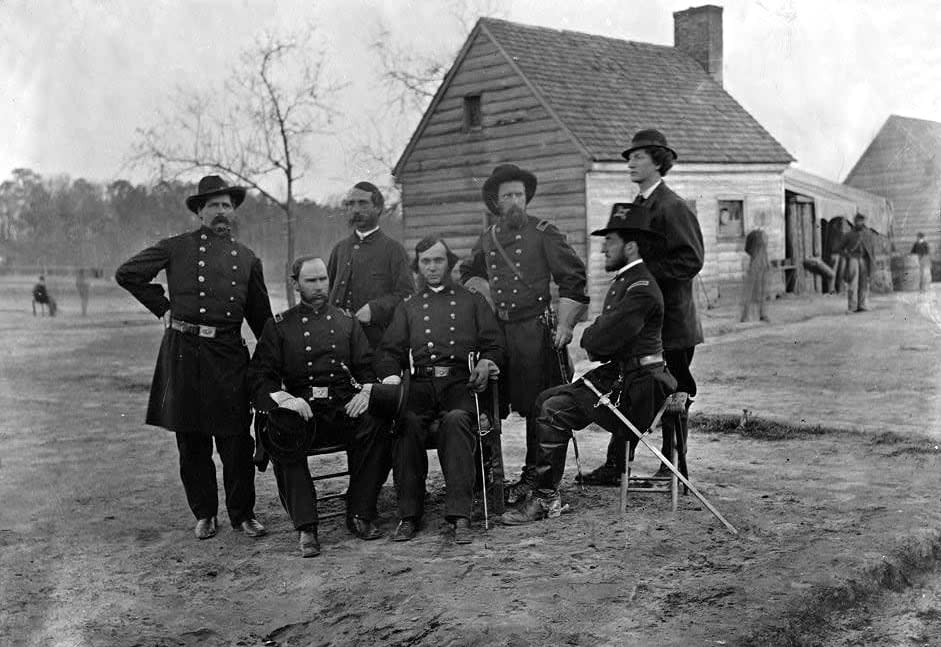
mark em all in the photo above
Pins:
pixel 473 117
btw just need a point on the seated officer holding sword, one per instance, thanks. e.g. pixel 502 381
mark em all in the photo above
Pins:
pixel 439 327
pixel 306 374
pixel 626 337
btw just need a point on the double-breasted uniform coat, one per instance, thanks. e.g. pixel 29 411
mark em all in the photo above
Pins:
pixel 438 329
pixel 199 388
pixel 303 351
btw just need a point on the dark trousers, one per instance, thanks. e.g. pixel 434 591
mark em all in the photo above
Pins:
pixel 678 361
pixel 198 472
pixel 456 441
pixel 369 446
pixel 572 406
pixel 532 367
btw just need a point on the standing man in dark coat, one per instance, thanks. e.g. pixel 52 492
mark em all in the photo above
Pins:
pixel 513 261
pixel 674 262
pixel 859 253
pixel 369 272
pixel 438 328
pixel 304 362
pixel 923 251
pixel 626 337
pixel 199 389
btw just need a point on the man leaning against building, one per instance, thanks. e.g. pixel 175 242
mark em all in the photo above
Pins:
pixel 674 262
pixel 199 388
pixel 514 260
pixel 369 272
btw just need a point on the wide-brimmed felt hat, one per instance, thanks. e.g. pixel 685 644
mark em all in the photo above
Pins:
pixel 213 185
pixel 507 173
pixel 287 436
pixel 387 401
pixel 648 138
pixel 627 216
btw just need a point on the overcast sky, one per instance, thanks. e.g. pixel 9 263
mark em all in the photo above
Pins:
pixel 81 77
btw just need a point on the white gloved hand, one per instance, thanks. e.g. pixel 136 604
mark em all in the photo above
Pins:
pixel 392 379
pixel 364 314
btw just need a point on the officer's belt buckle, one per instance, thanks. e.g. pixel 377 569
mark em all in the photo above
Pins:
pixel 319 393
pixel 442 371
pixel 207 331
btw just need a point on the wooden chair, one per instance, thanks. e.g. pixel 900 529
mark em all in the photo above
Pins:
pixel 490 482
pixel 652 484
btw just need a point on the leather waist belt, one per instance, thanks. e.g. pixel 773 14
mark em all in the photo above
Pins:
pixel 520 314
pixel 438 371
pixel 642 360
pixel 209 332
pixel 317 392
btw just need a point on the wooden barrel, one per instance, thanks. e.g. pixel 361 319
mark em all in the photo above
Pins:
pixel 905 272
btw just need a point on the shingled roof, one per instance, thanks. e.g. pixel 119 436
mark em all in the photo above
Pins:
pixel 605 89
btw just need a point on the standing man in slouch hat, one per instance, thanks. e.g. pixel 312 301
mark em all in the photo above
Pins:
pixel 514 260
pixel 369 272
pixel 199 389
pixel 674 262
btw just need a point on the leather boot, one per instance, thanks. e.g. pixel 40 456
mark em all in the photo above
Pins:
pixel 310 543
pixel 541 505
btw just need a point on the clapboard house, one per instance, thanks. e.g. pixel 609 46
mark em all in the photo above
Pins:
pixel 564 105
pixel 903 163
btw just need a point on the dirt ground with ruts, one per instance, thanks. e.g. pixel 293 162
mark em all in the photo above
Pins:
pixel 831 479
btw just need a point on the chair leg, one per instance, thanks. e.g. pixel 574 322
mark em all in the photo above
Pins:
pixel 626 476
pixel 674 482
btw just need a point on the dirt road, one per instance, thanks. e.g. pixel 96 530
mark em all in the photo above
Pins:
pixel 834 513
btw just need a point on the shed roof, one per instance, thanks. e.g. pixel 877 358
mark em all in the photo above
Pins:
pixel 603 90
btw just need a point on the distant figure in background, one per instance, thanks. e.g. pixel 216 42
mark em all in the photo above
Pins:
pixel 924 262
pixel 41 296
pixel 81 284
pixel 756 279
pixel 858 251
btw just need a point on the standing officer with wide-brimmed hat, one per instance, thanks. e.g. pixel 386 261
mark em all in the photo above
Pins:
pixel 674 262
pixel 514 260
pixel 626 337
pixel 199 389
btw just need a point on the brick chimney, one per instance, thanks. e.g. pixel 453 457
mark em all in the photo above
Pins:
pixel 697 32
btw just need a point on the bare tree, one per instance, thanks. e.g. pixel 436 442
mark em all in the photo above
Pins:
pixel 255 126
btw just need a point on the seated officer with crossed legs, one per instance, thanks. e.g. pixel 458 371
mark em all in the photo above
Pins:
pixel 440 325
pixel 306 361
pixel 626 337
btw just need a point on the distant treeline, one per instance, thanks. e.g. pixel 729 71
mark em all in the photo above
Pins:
pixel 58 222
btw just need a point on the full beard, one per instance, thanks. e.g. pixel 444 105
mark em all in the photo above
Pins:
pixel 514 217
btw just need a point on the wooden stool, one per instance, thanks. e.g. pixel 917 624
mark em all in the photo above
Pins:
pixel 653 484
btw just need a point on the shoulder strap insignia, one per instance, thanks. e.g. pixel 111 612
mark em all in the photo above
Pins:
pixel 542 225
pixel 636 284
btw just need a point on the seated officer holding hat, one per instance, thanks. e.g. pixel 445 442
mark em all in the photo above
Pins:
pixel 626 337
pixel 306 374
pixel 439 325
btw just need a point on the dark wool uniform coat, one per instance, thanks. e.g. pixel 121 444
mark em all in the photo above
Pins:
pixel 304 348
pixel 675 263
pixel 374 271
pixel 628 326
pixel 539 252
pixel 440 329
pixel 199 383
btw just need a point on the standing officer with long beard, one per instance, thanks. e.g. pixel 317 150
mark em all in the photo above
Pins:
pixel 199 389
pixel 517 257
pixel 369 272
